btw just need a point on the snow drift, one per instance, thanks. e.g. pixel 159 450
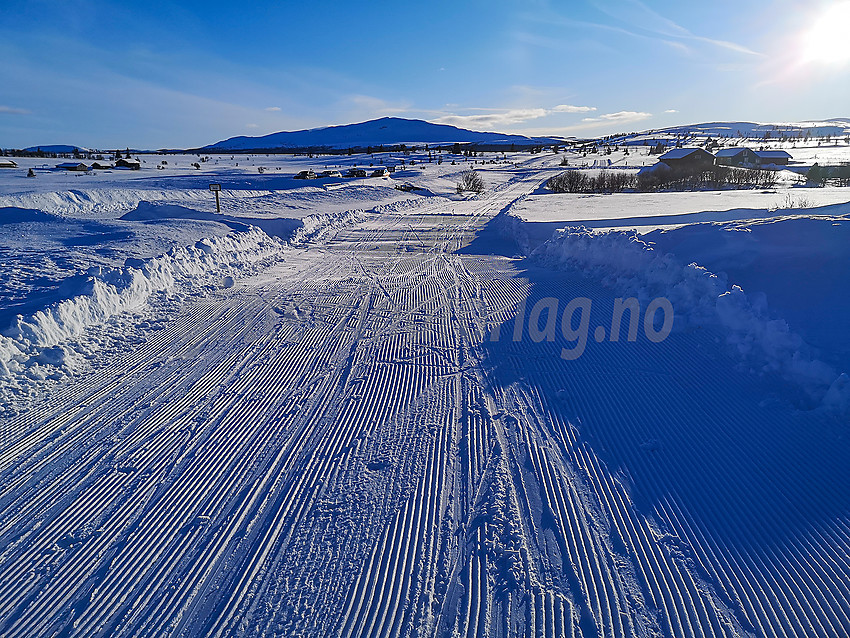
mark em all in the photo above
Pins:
pixel 295 231
pixel 41 345
pixel 82 202
pixel 631 267
pixel 280 227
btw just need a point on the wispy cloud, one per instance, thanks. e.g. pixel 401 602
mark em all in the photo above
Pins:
pixel 671 111
pixel 569 108
pixel 503 118
pixel 252 126
pixel 619 116
pixel 507 117
pixel 273 109
pixel 639 22
pixel 638 15
pixel 10 110
pixel 584 25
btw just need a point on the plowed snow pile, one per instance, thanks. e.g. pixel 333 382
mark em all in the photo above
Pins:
pixel 99 202
pixel 51 342
pixel 700 298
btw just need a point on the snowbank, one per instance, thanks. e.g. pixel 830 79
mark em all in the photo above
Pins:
pixel 802 264
pixel 281 227
pixel 315 225
pixel 102 200
pixel 56 341
pixel 288 229
pixel 42 345
pixel 632 267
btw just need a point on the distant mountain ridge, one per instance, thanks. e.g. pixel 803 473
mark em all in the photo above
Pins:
pixel 834 126
pixel 394 131
pixel 385 131
pixel 57 148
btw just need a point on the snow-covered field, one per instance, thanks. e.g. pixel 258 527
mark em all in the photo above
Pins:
pixel 337 408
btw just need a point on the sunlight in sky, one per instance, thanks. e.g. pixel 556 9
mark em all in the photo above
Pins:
pixel 161 75
pixel 826 40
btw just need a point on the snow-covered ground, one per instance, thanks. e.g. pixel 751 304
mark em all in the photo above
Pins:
pixel 337 408
pixel 658 210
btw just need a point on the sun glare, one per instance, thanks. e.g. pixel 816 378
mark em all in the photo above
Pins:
pixel 826 41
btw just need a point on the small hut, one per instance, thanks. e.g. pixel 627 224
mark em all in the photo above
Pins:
pixel 132 164
pixel 72 166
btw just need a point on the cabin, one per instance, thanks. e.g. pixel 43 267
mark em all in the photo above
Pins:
pixel 133 165
pixel 72 166
pixel 780 158
pixel 736 156
pixel 688 158
pixel 97 166
pixel 7 163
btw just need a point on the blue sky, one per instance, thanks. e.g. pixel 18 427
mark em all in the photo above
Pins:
pixel 162 74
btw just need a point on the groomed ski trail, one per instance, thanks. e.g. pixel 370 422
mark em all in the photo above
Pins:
pixel 340 447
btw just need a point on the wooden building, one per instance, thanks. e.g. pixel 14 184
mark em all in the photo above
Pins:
pixel 780 158
pixel 72 166
pixel 737 156
pixel 688 158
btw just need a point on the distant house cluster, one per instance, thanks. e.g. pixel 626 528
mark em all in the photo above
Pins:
pixel 739 156
pixel 131 164
pixel 354 172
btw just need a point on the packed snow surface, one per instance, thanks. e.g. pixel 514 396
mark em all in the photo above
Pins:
pixel 339 408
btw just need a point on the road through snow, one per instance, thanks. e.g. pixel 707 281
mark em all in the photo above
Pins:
pixel 341 446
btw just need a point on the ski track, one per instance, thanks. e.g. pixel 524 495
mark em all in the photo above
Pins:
pixel 340 449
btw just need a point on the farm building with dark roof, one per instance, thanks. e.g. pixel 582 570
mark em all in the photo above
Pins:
pixel 737 156
pixel 72 166
pixel 780 158
pixel 687 158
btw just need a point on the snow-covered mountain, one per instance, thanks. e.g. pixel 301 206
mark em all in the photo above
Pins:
pixel 814 128
pixel 385 131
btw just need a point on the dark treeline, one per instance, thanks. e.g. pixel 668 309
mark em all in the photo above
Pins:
pixel 662 178
pixel 838 175
pixel 77 154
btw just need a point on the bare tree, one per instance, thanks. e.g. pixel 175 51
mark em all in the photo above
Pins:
pixel 470 181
